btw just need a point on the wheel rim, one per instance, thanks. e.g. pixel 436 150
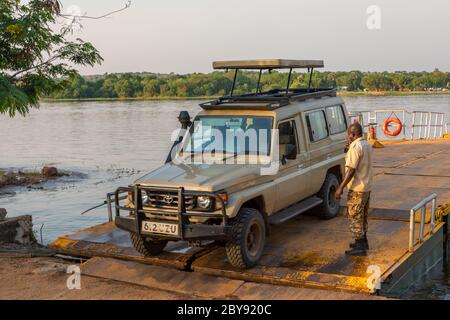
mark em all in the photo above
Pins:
pixel 254 239
pixel 332 202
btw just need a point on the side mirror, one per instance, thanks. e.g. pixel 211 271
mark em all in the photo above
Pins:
pixel 185 119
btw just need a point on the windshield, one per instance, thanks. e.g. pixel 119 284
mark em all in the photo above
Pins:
pixel 234 135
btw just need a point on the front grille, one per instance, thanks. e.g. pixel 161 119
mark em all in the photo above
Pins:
pixel 168 199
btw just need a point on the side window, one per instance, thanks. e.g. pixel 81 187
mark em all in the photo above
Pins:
pixel 288 145
pixel 336 119
pixel 317 125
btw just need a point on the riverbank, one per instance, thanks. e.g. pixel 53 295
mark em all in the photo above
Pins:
pixel 46 278
pixel 28 179
pixel 340 93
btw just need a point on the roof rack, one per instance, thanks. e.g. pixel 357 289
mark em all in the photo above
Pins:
pixel 269 100
pixel 269 64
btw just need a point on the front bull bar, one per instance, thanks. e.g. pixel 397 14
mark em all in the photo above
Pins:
pixel 186 229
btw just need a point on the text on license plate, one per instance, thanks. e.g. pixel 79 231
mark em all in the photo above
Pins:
pixel 159 227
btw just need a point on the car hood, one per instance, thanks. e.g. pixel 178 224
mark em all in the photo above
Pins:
pixel 205 177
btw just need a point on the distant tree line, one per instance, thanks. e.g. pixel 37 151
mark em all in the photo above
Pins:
pixel 150 85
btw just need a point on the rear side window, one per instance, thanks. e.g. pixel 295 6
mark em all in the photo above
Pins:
pixel 336 119
pixel 317 125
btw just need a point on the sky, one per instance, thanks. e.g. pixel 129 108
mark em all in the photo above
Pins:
pixel 185 36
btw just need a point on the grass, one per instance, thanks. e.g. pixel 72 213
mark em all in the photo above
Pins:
pixel 130 99
pixel 389 93
pixel 340 93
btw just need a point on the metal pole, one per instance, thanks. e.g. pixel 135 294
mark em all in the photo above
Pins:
pixel 436 125
pixel 404 123
pixel 413 125
pixel 289 81
pixel 234 82
pixel 108 201
pixel 411 230
pixel 420 125
pixel 429 125
pixel 422 223
pixel 310 78
pixel 433 213
pixel 259 81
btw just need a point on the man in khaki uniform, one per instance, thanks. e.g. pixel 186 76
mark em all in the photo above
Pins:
pixel 358 177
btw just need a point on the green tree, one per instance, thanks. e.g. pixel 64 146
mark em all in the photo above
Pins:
pixel 377 81
pixel 151 87
pixel 33 56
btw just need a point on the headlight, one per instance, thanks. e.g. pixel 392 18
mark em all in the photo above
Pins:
pixel 203 202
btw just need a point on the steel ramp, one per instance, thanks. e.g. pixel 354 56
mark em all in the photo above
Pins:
pixel 303 252
pixel 308 252
pixel 106 240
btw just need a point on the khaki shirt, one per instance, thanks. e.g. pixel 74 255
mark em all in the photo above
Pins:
pixel 359 157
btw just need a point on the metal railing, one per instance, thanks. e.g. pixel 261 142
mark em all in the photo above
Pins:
pixel 416 124
pixel 427 122
pixel 110 199
pixel 422 207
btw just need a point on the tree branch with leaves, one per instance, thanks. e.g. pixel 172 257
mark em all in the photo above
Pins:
pixel 36 60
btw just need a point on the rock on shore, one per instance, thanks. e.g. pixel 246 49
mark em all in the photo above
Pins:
pixel 17 230
pixel 27 179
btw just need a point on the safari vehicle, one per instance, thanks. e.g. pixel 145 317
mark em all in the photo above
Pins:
pixel 235 202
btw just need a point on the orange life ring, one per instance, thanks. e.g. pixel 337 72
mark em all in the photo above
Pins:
pixel 397 131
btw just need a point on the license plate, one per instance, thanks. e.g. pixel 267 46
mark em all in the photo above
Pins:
pixel 159 227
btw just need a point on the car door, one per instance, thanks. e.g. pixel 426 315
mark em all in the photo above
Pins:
pixel 337 124
pixel 293 176
pixel 319 146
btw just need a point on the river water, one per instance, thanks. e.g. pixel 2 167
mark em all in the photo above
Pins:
pixel 102 145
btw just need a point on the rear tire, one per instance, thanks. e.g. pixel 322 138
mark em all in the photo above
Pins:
pixel 247 238
pixel 147 247
pixel 330 207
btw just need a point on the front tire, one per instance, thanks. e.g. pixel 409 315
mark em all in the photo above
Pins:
pixel 330 207
pixel 147 247
pixel 247 238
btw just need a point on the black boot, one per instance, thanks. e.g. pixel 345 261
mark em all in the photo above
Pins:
pixel 366 243
pixel 358 250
